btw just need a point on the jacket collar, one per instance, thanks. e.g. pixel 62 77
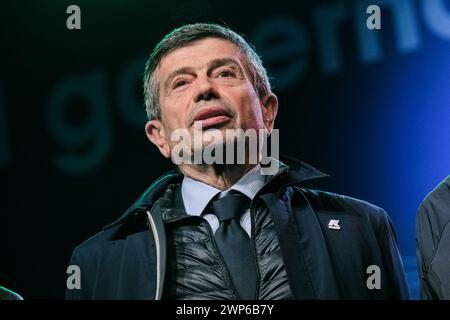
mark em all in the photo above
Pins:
pixel 291 171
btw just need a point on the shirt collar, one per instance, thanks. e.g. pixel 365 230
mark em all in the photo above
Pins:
pixel 196 194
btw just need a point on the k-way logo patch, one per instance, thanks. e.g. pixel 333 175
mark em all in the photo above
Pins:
pixel 334 224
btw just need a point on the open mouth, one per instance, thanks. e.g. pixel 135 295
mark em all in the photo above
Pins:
pixel 212 116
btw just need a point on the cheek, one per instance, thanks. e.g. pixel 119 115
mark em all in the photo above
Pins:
pixel 252 111
pixel 173 114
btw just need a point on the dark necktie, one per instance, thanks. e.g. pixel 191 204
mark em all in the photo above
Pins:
pixel 234 243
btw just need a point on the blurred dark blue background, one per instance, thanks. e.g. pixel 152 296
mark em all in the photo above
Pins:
pixel 369 107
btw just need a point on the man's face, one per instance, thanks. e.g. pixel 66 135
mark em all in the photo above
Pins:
pixel 206 83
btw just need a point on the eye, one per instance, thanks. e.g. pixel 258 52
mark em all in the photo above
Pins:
pixel 179 83
pixel 226 74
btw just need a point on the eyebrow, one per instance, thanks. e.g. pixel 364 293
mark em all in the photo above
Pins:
pixel 221 62
pixel 213 64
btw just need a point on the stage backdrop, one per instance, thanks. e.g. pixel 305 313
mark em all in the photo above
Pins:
pixel 369 107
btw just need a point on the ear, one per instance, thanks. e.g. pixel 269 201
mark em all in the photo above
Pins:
pixel 156 134
pixel 269 108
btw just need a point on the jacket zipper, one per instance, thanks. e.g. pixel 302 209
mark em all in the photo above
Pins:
pixel 253 242
pixel 253 234
pixel 158 254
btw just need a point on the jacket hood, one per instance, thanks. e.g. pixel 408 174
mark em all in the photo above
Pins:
pixel 293 171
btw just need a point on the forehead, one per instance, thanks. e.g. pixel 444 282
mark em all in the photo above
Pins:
pixel 197 54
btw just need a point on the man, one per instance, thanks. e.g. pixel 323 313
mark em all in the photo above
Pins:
pixel 225 230
pixel 433 243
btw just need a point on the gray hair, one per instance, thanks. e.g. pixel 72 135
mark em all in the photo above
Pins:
pixel 187 34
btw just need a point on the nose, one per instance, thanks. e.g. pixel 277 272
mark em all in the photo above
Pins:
pixel 206 90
